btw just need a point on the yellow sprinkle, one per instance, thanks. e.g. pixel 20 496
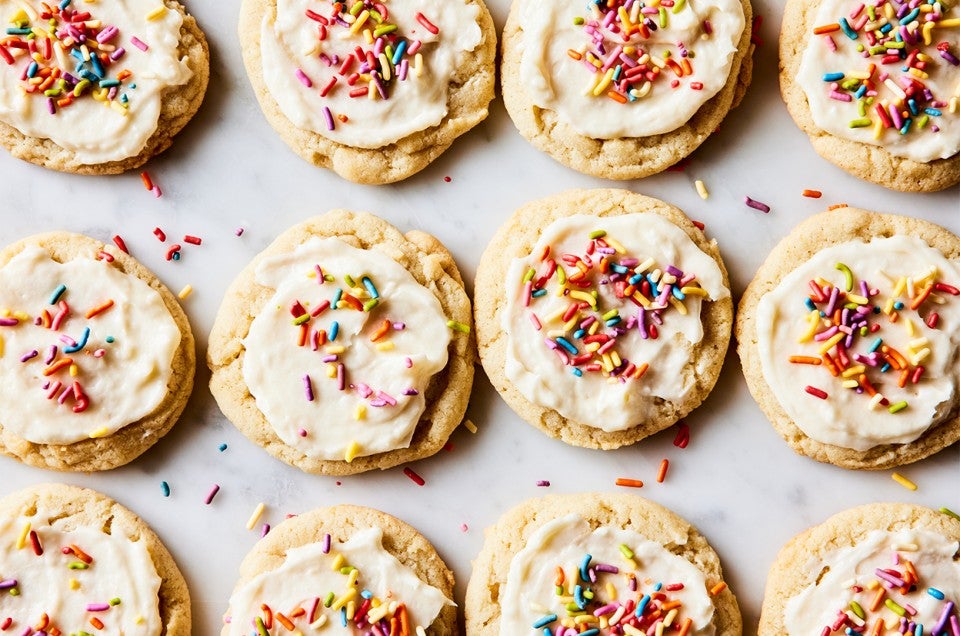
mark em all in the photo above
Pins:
pixel 361 413
pixel 617 247
pixel 695 291
pixel 352 577
pixel 335 349
pixel 331 370
pixel 344 599
pixel 355 27
pixel 338 562
pixel 701 189
pixel 672 614
pixel 74 584
pixel 853 371
pixel 679 306
pixel 640 299
pixel 352 451
pixel 351 609
pixel 856 298
pixel 584 296
pixel 100 432
pixel 320 622
pixel 604 83
pixel 22 539
pixel 255 517
pixel 1 346
pixel 385 346
pixel 470 426
pixel 385 66
pixel 139 619
pixel 186 291
pixel 903 481
pixel 157 13
pixel 829 344
pixel 813 318
pixel 949 22
pixel 850 384
pixel 418 64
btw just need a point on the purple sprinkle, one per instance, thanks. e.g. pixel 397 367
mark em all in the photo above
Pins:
pixel 326 544
pixel 411 392
pixel 330 358
pixel 98 607
pixel 238 231
pixel 308 387
pixel 29 355
pixel 328 116
pixel 610 569
pixel 399 326
pixel 341 379
pixel 264 530
pixel 213 493
pixel 8 584
pixel 757 205
pixel 543 483
pixel 51 106
pixel 140 44
pixel 673 271
pixel 950 57
pixel 107 34
pixel 306 81
pixel 51 354
pixel 116 55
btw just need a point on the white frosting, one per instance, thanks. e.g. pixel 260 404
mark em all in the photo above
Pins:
pixel 307 574
pixel 290 42
pixel 595 399
pixel 530 591
pixel 933 558
pixel 127 382
pixel 121 568
pixel 554 80
pixel 845 418
pixel 274 366
pixel 94 131
pixel 834 116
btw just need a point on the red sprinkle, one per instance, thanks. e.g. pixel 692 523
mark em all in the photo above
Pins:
pixel 754 34
pixel 700 225
pixel 933 319
pixel 814 391
pixel 414 477
pixel 192 240
pixel 429 26
pixel 147 181
pixel 447 179
pixel 173 250
pixel 683 436
pixel 119 243
pixel 812 194
pixel 105 256
pixel 159 234
pixel 35 543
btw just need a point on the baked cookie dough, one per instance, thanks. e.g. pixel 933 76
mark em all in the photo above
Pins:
pixel 623 106
pixel 373 90
pixel 343 563
pixel 849 336
pixel 345 346
pixel 661 568
pixel 96 355
pixel 109 86
pixel 603 316
pixel 876 569
pixel 74 561
pixel 875 86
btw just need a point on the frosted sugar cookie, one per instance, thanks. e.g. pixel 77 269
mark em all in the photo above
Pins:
pixel 346 566
pixel 98 87
pixel 73 561
pixel 96 355
pixel 624 89
pixel 875 569
pixel 875 86
pixel 603 316
pixel 597 564
pixel 345 346
pixel 372 90
pixel 849 338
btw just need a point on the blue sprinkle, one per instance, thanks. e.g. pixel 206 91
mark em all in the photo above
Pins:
pixel 223 447
pixel 579 333
pixel 165 488
pixel 658 586
pixel 906 126
pixel 539 293
pixel 613 321
pixel 366 594
pixel 876 345
pixel 679 295
pixel 933 112
pixel 935 593
pixel 57 293
pixel 642 605
pixel 563 342
pixel 80 344
pixel 810 304
pixel 578 597
pixel 636 278
pixel 398 54
pixel 371 289
pixel 885 368
pixel 334 330
pixel 343 616
pixel 832 77
pixel 898 305
pixel 584 567
pixel 886 28
pixel 32 69
pixel 336 298
pixel 910 17
pixel 546 620
pixel 590 632
pixel 912 105
pixel 578 373
pixel 110 339
pixel 65 4
pixel 847 29
pixel 109 83
pixel 620 269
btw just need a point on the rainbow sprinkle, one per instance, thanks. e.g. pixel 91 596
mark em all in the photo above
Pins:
pixel 67 55
pixel 623 66
pixel 897 41
pixel 588 336
pixel 845 324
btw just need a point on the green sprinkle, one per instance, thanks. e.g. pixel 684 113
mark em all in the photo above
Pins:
pixel 561 275
pixel 610 314
pixel 458 326
pixel 626 551
pixel 950 513
pixel 328 600
pixel 663 18
pixel 858 610
pixel 529 275
pixel 899 406
pixel 299 320
pixel 847 275
pixel 893 607
pixel 347 569
pixel 261 628
pixel 383 30
pixel 598 234
pixel 115 601
pixel 678 7
pixel 370 304
pixel 862 122
pixel 578 21
pixel 78 565
pixel 14 591
pixel 348 279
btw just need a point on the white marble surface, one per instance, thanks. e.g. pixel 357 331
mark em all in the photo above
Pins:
pixel 737 481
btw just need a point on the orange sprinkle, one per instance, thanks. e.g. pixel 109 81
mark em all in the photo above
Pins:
pixel 662 473
pixel 147 181
pixel 826 28
pixel 99 309
pixel 381 331
pixel 283 620
pixel 56 366
pixel 80 554
pixel 574 54
pixel 629 483
pixel 669 605
pixel 831 365
pixel 921 297
pixel 685 628
pixel 96 622
pixel 716 589
pixel 560 577
pixel 805 360
pixel 877 599
pixel 304 332
pixel 877 628
pixel 268 616
pixel 812 194
pixel 404 619
pixel 904 376
pixel 687 69
pixel 641 370
pixel 124 74
pixel 836 206
pixel 865 383
pixel 352 301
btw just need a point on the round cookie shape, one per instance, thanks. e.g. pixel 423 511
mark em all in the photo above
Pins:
pixel 407 581
pixel 874 87
pixel 892 339
pixel 624 91
pixel 75 560
pixel 865 566
pixel 603 316
pixel 597 540
pixel 98 357
pixel 345 346
pixel 374 91
pixel 111 85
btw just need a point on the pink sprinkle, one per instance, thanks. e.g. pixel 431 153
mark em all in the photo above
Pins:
pixel 157 193
pixel 463 527
pixel 140 44
pixel 757 205
pixel 302 432
pixel 408 362
pixel 535 321
pixel 306 81
pixel 98 607
pixel 238 231
pixel 543 483
pixel 308 388
pixel 213 493
pixel 265 530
